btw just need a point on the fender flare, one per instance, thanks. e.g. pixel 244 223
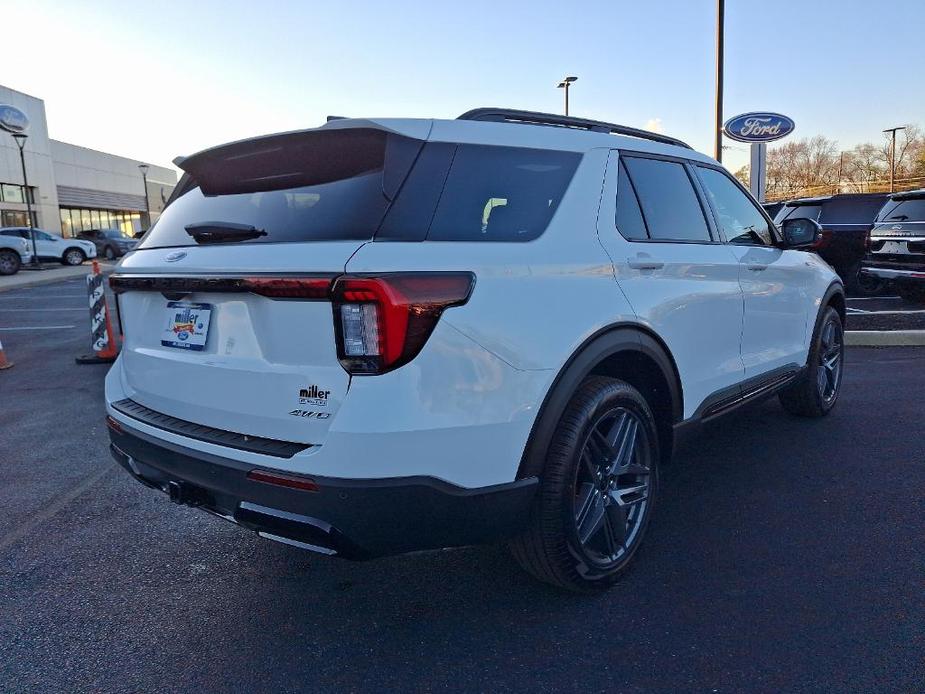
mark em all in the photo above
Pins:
pixel 835 289
pixel 603 344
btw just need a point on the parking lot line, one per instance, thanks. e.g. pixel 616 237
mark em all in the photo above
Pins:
pixel 7 297
pixel 859 312
pixel 37 327
pixel 33 310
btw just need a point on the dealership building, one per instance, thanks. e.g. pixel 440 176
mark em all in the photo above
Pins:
pixel 72 188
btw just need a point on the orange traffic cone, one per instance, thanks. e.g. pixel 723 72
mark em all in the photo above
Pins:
pixel 4 364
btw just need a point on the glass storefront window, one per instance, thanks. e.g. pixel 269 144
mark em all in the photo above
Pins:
pixel 15 218
pixel 95 218
pixel 85 223
pixel 67 229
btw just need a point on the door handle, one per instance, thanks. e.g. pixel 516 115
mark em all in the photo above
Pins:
pixel 756 267
pixel 645 263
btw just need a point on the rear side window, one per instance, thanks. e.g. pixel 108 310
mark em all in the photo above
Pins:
pixel 501 193
pixel 903 210
pixel 669 204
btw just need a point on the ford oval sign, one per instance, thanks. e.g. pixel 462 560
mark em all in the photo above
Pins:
pixel 175 256
pixel 13 120
pixel 758 127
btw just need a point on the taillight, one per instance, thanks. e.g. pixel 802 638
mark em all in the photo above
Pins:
pixel 289 287
pixel 383 322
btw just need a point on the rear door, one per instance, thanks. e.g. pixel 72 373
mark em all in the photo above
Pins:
pixel 225 306
pixel 775 282
pixel 678 276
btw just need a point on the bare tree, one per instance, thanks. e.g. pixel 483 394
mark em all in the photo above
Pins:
pixel 908 143
pixel 803 167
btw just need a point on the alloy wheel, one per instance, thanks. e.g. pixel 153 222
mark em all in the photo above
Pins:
pixel 74 258
pixel 828 371
pixel 8 264
pixel 612 487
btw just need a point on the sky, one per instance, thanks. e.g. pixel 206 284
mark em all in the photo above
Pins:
pixel 158 79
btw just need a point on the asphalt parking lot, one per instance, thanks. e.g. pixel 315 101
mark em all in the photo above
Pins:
pixel 786 555
pixel 884 313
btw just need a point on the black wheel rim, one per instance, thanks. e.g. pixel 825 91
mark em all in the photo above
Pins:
pixel 828 371
pixel 612 486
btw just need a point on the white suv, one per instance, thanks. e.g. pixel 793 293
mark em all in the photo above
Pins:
pixel 380 336
pixel 52 246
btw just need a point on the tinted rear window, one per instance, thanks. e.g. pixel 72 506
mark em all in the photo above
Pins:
pixel 315 186
pixel 908 210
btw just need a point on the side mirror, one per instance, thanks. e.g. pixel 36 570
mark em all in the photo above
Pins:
pixel 800 233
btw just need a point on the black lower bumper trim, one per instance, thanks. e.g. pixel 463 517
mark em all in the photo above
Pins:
pixel 352 518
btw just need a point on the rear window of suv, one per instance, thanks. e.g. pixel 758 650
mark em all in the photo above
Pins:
pixel 903 210
pixel 350 184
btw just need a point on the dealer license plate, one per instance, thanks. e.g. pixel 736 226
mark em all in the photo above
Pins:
pixel 187 325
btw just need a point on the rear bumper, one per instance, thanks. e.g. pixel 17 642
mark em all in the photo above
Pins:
pixel 895 272
pixel 356 519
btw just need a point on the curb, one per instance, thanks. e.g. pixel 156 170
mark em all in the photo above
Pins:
pixel 885 338
pixel 51 279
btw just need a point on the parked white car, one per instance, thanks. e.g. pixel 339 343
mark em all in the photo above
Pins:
pixel 52 247
pixel 380 336
pixel 14 253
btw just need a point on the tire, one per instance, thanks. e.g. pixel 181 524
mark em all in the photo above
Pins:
pixel 859 284
pixel 816 392
pixel 10 262
pixel 73 256
pixel 911 293
pixel 109 252
pixel 578 492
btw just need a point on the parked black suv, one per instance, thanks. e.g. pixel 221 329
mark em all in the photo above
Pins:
pixel 897 245
pixel 846 222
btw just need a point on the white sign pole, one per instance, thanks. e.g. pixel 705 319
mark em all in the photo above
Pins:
pixel 758 170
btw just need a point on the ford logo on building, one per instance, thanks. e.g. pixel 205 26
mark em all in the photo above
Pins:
pixel 13 120
pixel 758 127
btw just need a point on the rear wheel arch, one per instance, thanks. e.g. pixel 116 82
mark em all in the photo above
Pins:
pixel 834 297
pixel 627 352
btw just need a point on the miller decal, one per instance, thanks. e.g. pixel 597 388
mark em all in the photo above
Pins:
pixel 314 396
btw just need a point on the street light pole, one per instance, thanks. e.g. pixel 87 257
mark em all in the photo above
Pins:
pixel 21 143
pixel 565 84
pixel 144 178
pixel 718 121
pixel 892 132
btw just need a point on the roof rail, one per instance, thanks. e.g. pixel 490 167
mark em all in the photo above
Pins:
pixel 510 115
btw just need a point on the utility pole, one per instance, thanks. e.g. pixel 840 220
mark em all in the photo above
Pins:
pixel 892 132
pixel 718 122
